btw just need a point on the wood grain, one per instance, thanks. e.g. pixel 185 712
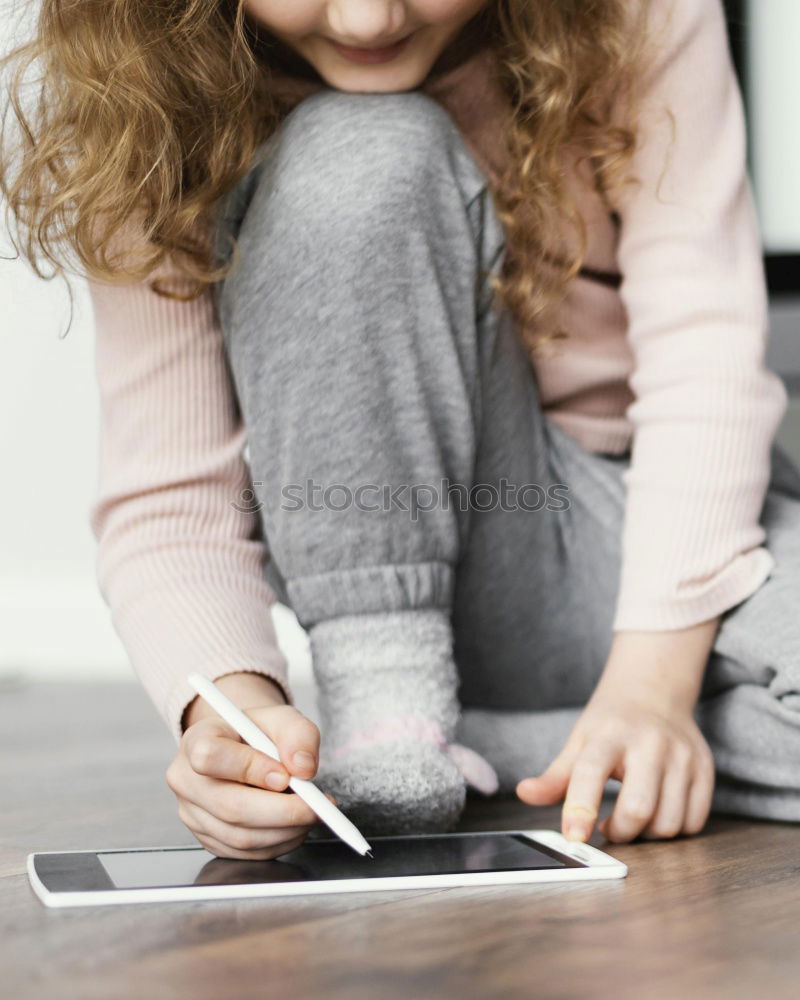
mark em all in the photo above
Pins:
pixel 714 916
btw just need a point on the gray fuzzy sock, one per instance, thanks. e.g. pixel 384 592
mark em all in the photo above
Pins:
pixel 387 693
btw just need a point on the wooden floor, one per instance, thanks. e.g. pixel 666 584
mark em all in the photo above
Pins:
pixel 715 916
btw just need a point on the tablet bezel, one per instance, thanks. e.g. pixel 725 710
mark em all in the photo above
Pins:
pixel 594 864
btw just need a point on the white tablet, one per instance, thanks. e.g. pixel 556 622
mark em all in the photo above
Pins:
pixel 148 875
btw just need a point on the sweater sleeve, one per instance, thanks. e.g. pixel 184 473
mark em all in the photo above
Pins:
pixel 179 557
pixel 706 408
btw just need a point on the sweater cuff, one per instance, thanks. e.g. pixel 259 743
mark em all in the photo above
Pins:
pixel 182 693
pixel 687 604
pixel 212 629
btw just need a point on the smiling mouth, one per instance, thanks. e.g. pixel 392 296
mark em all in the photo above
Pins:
pixel 371 54
pixel 373 48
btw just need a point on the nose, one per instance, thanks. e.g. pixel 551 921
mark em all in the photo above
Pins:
pixel 367 22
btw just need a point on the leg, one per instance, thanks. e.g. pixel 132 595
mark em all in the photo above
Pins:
pixel 750 707
pixel 363 291
pixel 356 327
pixel 533 644
pixel 749 710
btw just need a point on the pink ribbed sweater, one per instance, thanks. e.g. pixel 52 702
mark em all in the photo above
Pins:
pixel 671 362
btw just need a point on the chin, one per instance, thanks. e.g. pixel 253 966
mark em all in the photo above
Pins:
pixel 389 87
pixel 375 82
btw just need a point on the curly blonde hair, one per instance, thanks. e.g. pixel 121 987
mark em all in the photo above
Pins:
pixel 157 110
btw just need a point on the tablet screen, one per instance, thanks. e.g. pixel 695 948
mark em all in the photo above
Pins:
pixel 323 860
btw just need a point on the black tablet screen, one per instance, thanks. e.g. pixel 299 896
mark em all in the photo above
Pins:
pixel 324 859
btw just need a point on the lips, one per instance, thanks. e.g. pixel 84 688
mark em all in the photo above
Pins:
pixel 373 55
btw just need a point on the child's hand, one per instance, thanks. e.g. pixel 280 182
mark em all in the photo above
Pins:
pixel 232 797
pixel 638 727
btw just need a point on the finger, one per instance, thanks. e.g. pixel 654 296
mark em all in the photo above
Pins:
pixel 241 805
pixel 216 750
pixel 549 786
pixel 222 850
pixel 637 800
pixel 296 737
pixel 192 815
pixel 701 793
pixel 590 772
pixel 242 838
pixel 670 810
pixel 200 820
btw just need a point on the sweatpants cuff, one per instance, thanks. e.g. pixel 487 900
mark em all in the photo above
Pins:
pixel 370 589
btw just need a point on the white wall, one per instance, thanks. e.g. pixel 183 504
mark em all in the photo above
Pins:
pixel 51 616
pixel 774 89
pixel 53 621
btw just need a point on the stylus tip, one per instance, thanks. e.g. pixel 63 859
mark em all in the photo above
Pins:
pixel 369 854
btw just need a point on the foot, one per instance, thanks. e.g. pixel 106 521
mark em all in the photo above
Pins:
pixel 396 787
pixel 387 688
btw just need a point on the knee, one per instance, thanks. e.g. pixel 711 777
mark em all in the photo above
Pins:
pixel 357 156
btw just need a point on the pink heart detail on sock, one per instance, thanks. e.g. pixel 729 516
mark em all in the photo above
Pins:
pixel 477 771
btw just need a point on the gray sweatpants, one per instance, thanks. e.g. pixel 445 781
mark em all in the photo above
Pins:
pixel 376 382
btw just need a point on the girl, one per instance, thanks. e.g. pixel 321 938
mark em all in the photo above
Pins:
pixel 447 328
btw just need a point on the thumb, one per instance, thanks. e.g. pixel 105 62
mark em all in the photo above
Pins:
pixel 548 787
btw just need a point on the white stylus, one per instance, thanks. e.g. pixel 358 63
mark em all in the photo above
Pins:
pixel 258 739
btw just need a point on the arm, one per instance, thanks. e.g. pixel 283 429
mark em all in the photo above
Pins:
pixel 704 416
pixel 637 727
pixel 668 665
pixel 179 566
pixel 246 690
pixel 706 408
